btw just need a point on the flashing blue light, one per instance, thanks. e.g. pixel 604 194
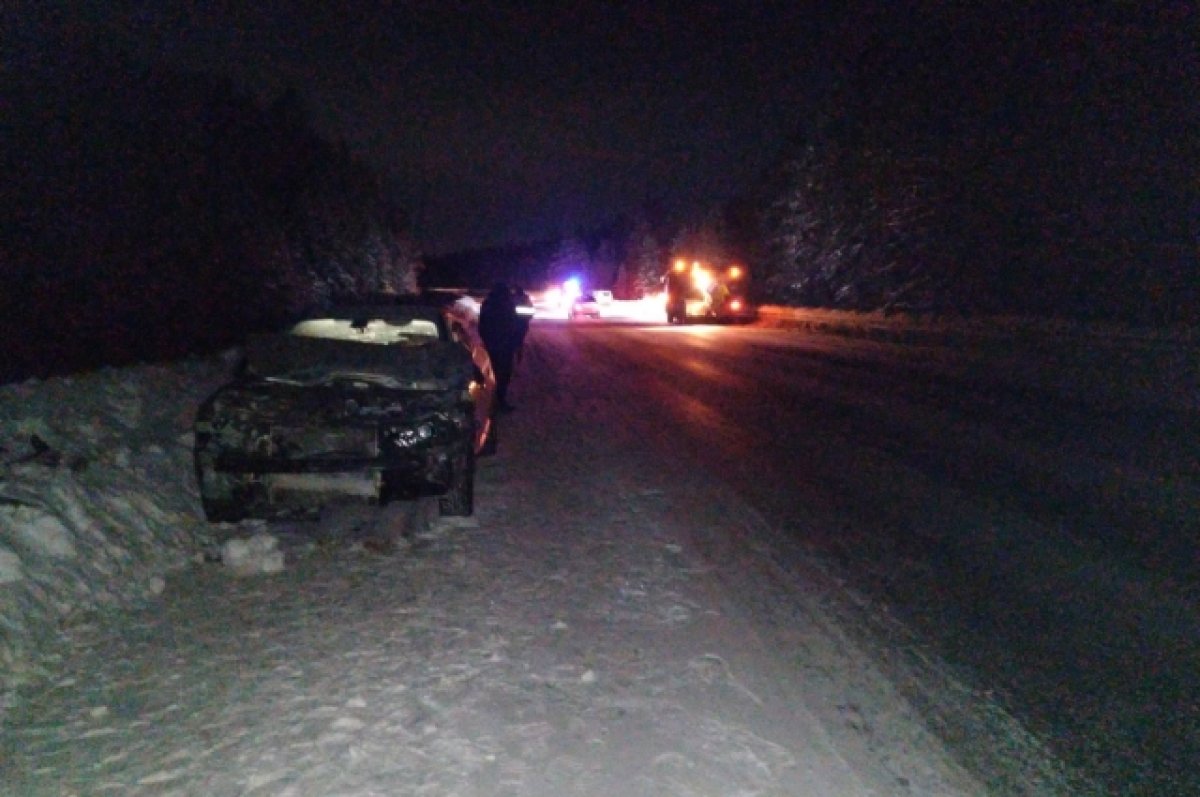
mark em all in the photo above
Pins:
pixel 572 287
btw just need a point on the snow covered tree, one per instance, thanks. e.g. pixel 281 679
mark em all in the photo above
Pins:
pixel 646 263
pixel 954 165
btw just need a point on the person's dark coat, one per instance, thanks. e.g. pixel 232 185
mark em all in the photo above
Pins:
pixel 498 321
pixel 498 327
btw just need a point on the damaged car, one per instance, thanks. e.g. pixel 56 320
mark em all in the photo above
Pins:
pixel 371 403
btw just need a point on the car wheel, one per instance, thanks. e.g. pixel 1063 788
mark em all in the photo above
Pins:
pixel 459 500
pixel 218 492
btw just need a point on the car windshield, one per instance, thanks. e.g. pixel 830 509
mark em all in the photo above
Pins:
pixel 375 331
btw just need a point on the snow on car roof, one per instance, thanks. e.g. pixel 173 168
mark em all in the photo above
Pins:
pixel 377 323
pixel 366 329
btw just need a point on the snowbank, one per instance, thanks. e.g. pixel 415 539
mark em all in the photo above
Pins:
pixel 1111 366
pixel 917 329
pixel 98 500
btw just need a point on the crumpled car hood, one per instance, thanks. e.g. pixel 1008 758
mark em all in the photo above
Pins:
pixel 331 404
pixel 432 365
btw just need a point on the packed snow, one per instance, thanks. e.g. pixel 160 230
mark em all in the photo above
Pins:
pixel 97 500
pixel 571 638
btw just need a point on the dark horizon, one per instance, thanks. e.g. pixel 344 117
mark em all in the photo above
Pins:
pixel 498 125
pixel 520 124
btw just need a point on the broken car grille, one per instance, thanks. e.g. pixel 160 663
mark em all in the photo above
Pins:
pixel 318 443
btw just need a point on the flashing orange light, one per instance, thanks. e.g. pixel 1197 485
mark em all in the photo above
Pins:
pixel 680 265
pixel 735 305
pixel 735 272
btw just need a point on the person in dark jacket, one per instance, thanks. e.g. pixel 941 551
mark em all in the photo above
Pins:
pixel 498 327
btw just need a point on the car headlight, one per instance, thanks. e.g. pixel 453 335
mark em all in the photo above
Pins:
pixel 408 436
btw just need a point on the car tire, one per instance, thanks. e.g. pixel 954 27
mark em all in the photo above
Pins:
pixel 218 492
pixel 459 500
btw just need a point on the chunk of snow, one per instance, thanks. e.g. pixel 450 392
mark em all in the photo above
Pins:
pixel 10 567
pixel 41 534
pixel 257 554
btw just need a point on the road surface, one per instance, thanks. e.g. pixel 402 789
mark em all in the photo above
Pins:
pixel 1027 508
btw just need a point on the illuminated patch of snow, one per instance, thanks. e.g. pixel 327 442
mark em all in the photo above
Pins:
pixel 40 534
pixel 10 566
pixel 259 553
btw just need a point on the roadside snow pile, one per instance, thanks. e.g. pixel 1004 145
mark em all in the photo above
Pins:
pixel 917 328
pixel 922 328
pixel 256 554
pixel 1066 360
pixel 97 498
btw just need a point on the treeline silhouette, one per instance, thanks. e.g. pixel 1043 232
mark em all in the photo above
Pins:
pixel 149 213
pixel 982 158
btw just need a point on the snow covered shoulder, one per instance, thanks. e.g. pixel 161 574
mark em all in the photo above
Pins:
pixel 97 498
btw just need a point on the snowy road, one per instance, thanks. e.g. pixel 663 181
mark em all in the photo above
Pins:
pixel 1027 506
pixel 683 579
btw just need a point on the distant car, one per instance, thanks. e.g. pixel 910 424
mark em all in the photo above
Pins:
pixel 584 306
pixel 374 403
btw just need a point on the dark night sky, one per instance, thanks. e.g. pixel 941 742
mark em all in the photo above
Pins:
pixel 503 123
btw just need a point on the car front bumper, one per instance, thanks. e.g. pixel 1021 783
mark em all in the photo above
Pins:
pixel 273 470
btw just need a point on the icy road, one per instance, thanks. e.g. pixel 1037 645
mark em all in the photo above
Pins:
pixel 706 561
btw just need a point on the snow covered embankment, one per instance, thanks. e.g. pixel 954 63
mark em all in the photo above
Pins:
pixel 98 500
pixel 919 329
